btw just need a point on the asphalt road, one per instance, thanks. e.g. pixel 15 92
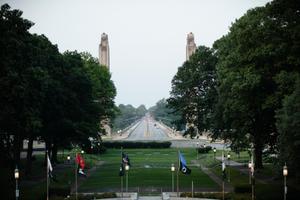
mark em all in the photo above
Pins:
pixel 148 129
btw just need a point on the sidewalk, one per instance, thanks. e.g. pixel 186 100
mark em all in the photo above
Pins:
pixel 215 178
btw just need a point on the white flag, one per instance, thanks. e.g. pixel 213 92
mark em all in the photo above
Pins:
pixel 49 164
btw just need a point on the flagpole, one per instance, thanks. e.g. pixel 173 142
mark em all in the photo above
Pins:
pixel 223 175
pixel 47 175
pixel 122 176
pixel 76 194
pixel 178 173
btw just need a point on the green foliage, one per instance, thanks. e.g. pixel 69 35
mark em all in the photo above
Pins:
pixel 288 124
pixel 134 145
pixel 253 61
pixel 204 149
pixel 162 112
pixel 242 188
pixel 194 92
pixel 127 115
pixel 46 95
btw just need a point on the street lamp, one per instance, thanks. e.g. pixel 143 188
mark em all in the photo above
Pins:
pixel 249 167
pixel 17 178
pixel 228 158
pixel 82 152
pixel 68 158
pixel 215 150
pixel 285 173
pixel 172 170
pixel 127 169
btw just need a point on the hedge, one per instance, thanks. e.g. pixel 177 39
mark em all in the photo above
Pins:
pixel 203 149
pixel 133 145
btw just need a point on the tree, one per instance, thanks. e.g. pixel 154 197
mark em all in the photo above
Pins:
pixel 193 92
pixel 162 112
pixel 288 124
pixel 259 47
pixel 127 114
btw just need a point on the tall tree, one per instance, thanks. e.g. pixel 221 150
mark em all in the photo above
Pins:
pixel 250 58
pixel 194 90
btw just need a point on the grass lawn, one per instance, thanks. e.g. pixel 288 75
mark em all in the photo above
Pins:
pixel 34 186
pixel 150 168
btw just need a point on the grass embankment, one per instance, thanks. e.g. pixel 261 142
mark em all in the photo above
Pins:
pixel 150 168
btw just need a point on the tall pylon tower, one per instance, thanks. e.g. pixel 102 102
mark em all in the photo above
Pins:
pixel 190 45
pixel 104 51
pixel 104 60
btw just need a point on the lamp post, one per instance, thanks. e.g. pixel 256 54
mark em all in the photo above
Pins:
pixel 127 169
pixel 249 167
pixel 215 150
pixel 228 158
pixel 285 173
pixel 17 178
pixel 172 170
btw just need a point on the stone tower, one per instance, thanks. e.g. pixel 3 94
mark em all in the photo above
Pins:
pixel 104 60
pixel 104 50
pixel 190 45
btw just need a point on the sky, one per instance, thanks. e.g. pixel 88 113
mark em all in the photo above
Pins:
pixel 147 38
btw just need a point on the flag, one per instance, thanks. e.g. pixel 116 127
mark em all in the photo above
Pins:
pixel 223 168
pixel 125 159
pixel 79 160
pixel 183 168
pixel 50 169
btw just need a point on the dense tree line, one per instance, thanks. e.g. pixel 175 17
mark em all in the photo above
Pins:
pixel 127 114
pixel 56 98
pixel 162 112
pixel 246 88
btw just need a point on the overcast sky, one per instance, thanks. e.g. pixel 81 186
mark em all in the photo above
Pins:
pixel 147 37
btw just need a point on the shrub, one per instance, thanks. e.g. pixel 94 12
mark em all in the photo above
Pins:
pixel 216 195
pixel 203 149
pixel 59 191
pixel 128 145
pixel 93 196
pixel 242 188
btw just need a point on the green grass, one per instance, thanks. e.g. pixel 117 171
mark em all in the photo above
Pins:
pixel 150 168
pixel 36 188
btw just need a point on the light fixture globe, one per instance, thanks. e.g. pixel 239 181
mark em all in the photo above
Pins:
pixel 127 167
pixel 172 168
pixel 17 173
pixel 285 170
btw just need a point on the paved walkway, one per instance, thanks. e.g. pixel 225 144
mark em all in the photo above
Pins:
pixel 243 168
pixel 217 179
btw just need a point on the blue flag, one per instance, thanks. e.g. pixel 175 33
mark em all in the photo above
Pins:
pixel 183 168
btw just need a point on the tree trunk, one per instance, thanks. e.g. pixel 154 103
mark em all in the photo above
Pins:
pixel 17 148
pixel 258 156
pixel 54 153
pixel 29 155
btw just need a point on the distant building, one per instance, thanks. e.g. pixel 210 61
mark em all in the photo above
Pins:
pixel 190 45
pixel 104 60
pixel 104 50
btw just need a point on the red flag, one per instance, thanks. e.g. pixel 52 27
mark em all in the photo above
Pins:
pixel 80 161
